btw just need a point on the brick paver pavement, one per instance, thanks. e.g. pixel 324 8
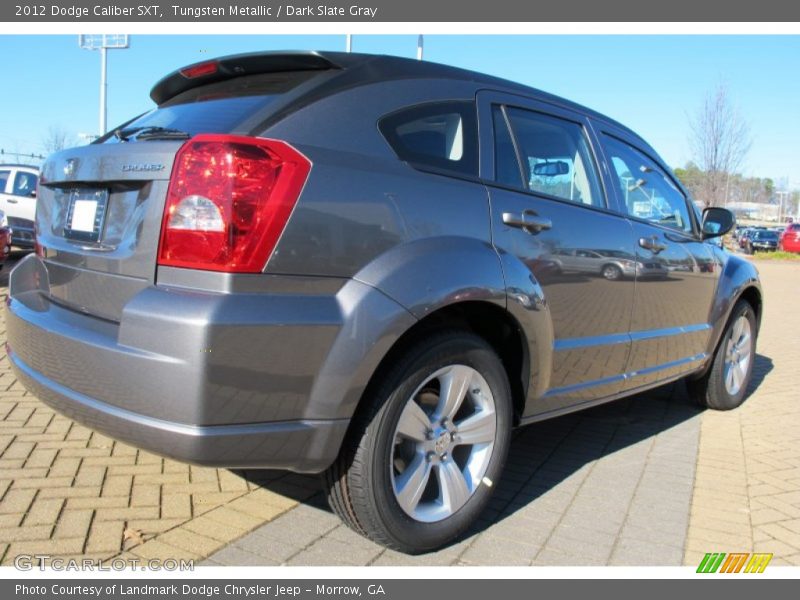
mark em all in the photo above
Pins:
pixel 747 489
pixel 613 485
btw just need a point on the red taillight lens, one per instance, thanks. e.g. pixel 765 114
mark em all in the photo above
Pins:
pixel 200 70
pixel 229 199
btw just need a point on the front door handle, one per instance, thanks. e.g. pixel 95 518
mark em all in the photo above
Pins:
pixel 12 201
pixel 527 220
pixel 651 243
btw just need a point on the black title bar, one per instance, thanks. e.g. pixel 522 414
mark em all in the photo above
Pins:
pixel 406 10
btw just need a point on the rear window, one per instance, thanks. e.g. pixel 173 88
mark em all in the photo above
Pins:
pixel 441 136
pixel 765 235
pixel 219 107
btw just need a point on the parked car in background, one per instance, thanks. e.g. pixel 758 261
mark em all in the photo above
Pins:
pixel 5 238
pixel 789 240
pixel 761 240
pixel 329 263
pixel 18 184
pixel 743 235
pixel 611 264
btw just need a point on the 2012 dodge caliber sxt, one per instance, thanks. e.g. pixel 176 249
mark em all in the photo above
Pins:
pixel 372 268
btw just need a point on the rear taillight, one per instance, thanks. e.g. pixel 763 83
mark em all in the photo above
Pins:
pixel 200 69
pixel 229 199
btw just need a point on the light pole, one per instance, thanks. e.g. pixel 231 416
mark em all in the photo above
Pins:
pixel 419 47
pixel 103 43
pixel 781 195
pixel 349 43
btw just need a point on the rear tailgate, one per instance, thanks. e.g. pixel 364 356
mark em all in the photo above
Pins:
pixel 98 221
pixel 100 207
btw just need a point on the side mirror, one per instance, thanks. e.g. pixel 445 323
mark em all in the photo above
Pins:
pixel 33 193
pixel 551 169
pixel 717 222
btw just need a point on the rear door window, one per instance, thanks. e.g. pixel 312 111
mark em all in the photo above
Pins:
pixel 4 175
pixel 441 136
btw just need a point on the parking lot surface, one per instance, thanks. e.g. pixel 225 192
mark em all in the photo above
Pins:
pixel 650 480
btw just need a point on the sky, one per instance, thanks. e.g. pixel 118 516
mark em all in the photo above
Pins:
pixel 651 83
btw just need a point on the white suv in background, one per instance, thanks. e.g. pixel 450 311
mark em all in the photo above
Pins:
pixel 18 201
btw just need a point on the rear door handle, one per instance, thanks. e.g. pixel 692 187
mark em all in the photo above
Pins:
pixel 527 220
pixel 651 243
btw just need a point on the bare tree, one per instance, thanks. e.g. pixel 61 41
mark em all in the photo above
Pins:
pixel 720 140
pixel 56 139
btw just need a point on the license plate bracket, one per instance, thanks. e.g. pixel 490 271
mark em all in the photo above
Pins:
pixel 86 214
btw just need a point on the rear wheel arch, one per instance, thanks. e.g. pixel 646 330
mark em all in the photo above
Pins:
pixel 488 321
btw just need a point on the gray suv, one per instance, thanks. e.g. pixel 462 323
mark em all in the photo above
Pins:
pixel 343 264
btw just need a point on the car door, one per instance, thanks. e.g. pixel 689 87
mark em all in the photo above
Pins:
pixel 677 272
pixel 547 206
pixel 23 195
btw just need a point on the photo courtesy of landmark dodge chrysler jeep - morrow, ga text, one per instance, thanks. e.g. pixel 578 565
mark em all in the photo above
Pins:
pixel 353 265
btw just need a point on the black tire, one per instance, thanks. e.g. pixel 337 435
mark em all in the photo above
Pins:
pixel 611 272
pixel 359 483
pixel 710 390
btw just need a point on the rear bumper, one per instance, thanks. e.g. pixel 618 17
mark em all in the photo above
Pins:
pixel 22 234
pixel 259 380
pixel 304 446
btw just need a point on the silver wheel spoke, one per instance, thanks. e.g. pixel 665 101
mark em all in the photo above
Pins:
pixel 744 342
pixel 737 330
pixel 410 484
pixel 414 423
pixel 454 387
pixel 739 375
pixel 476 429
pixel 452 485
pixel 729 382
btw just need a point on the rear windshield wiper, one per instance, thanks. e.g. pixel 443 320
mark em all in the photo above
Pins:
pixel 151 133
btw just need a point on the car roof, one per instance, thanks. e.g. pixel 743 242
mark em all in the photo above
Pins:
pixel 16 166
pixel 356 69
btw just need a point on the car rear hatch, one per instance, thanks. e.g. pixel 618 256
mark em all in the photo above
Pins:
pixel 98 222
pixel 100 207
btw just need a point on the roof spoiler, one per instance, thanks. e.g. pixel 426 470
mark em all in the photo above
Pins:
pixel 228 67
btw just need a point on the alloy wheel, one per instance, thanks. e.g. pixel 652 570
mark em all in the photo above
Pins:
pixel 443 443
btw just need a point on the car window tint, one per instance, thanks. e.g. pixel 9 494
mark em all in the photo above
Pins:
pixel 555 156
pixel 218 107
pixel 4 180
pixel 645 190
pixel 441 135
pixel 24 183
pixel 506 165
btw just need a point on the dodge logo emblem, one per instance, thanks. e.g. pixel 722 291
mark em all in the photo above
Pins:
pixel 69 168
